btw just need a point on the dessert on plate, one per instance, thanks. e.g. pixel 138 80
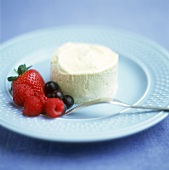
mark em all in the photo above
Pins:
pixel 85 71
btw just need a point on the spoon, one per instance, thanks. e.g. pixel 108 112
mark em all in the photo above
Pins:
pixel 114 102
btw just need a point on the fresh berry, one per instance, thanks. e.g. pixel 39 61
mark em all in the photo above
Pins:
pixel 41 96
pixel 57 94
pixel 30 77
pixel 65 107
pixel 54 107
pixel 33 106
pixel 49 95
pixel 50 87
pixel 68 100
pixel 21 93
pixel 29 90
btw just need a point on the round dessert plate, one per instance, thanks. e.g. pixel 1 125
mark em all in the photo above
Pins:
pixel 143 79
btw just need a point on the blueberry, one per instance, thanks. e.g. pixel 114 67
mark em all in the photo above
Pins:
pixel 51 87
pixel 49 95
pixel 68 100
pixel 57 94
pixel 65 108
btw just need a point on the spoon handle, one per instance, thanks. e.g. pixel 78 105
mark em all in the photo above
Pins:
pixel 114 102
pixel 118 102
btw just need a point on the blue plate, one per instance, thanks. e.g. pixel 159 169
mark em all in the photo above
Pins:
pixel 143 80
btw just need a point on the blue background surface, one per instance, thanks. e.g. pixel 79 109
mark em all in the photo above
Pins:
pixel 148 150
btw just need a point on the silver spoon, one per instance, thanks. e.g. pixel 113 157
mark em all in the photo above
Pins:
pixel 114 102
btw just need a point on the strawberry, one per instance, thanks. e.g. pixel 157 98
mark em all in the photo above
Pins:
pixel 21 93
pixel 41 96
pixel 54 107
pixel 33 106
pixel 30 77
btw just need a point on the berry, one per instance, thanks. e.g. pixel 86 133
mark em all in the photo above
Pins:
pixel 21 93
pixel 65 107
pixel 49 95
pixel 68 100
pixel 54 107
pixel 33 106
pixel 57 94
pixel 29 90
pixel 41 96
pixel 50 87
pixel 30 77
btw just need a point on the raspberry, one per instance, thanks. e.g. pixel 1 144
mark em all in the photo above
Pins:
pixel 33 106
pixel 21 93
pixel 54 107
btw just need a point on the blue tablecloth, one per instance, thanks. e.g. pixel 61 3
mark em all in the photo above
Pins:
pixel 148 150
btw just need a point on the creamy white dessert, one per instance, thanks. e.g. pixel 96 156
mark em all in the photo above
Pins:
pixel 85 71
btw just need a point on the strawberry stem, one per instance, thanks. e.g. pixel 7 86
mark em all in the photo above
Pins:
pixel 12 78
pixel 21 69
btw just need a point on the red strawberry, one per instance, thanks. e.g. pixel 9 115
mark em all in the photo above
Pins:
pixel 41 96
pixel 33 106
pixel 30 77
pixel 54 107
pixel 21 93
